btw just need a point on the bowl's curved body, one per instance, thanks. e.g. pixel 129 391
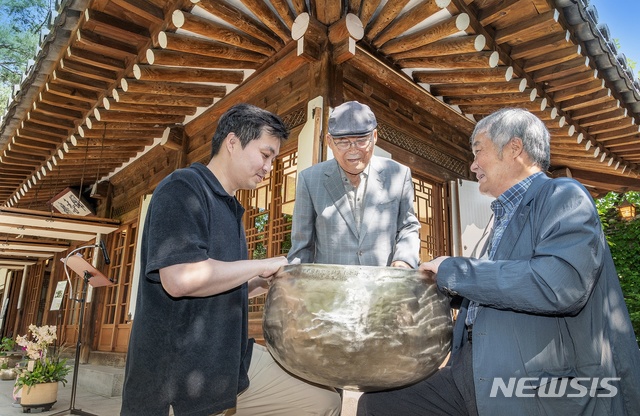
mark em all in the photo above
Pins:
pixel 358 328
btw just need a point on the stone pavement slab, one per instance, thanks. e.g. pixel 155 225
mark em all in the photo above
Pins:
pixel 104 406
pixel 85 400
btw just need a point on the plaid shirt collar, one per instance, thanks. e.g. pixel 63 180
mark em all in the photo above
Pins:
pixel 507 203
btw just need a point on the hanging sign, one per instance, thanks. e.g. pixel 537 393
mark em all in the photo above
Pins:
pixel 67 202
pixel 58 295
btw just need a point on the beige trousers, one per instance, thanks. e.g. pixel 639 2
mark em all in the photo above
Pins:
pixel 274 392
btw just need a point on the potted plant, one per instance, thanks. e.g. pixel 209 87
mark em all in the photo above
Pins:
pixel 38 380
pixel 9 357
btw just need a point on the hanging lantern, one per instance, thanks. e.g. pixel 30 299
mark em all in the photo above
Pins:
pixel 627 210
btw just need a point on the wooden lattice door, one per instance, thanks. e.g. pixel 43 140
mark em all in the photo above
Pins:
pixel 34 297
pixel 115 324
pixel 267 220
pixel 432 212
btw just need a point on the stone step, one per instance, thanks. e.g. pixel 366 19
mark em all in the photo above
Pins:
pixel 100 379
pixel 111 359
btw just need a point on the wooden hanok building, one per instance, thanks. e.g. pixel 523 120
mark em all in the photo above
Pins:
pixel 123 92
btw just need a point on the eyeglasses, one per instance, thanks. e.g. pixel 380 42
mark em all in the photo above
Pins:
pixel 345 144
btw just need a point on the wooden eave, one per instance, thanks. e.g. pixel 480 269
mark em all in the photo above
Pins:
pixel 116 77
pixel 29 236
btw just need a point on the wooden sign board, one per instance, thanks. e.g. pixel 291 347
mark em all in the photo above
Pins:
pixel 68 202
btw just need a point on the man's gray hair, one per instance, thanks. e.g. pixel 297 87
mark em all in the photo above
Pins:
pixel 507 123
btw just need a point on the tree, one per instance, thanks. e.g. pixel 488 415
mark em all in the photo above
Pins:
pixel 630 62
pixel 20 24
pixel 623 237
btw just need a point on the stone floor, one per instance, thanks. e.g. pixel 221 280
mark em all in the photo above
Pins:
pixel 103 406
pixel 86 401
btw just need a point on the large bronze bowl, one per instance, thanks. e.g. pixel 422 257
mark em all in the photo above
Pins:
pixel 358 328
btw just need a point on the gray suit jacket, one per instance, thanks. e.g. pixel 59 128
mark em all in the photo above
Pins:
pixel 324 229
pixel 552 307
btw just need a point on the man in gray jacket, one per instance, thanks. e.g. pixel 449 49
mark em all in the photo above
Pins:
pixel 543 328
pixel 356 209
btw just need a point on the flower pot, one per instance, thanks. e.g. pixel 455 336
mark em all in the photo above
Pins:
pixel 11 359
pixel 39 395
pixel 7 374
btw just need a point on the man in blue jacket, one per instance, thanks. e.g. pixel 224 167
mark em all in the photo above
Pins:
pixel 543 328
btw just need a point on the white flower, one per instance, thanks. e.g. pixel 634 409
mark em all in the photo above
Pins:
pixel 43 337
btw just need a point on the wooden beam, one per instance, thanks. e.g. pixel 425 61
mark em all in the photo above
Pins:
pixel 367 10
pixel 624 132
pixel 101 44
pixel 157 99
pixel 480 60
pixel 299 7
pixel 473 75
pixel 532 28
pixel 387 14
pixel 495 11
pixel 75 80
pixel 428 35
pixel 35 144
pixel 610 127
pixel 582 90
pixel 577 64
pixel 48 121
pixel 219 32
pixel 63 102
pixel 268 18
pixel 206 47
pixel 501 99
pixel 99 22
pixel 447 46
pixel 77 93
pixel 409 19
pixel 594 110
pixel 122 134
pixel 284 12
pixel 141 117
pixel 552 58
pixel 569 81
pixel 149 109
pixel 371 66
pixel 156 73
pixel 310 35
pixel 604 180
pixel 597 97
pixel 240 20
pixel 605 118
pixel 173 88
pixel 349 26
pixel 88 57
pixel 328 11
pixel 175 58
pixel 28 128
pixel 541 46
pixel 488 88
pixel 141 8
pixel 52 110
pixel 281 65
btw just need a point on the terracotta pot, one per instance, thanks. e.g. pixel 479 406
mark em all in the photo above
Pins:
pixel 358 328
pixel 39 394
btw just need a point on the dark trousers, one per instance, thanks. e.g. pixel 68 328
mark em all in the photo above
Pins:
pixel 448 392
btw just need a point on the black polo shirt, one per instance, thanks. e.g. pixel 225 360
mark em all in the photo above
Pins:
pixel 192 353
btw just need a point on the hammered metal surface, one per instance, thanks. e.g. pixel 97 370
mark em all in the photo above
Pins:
pixel 359 328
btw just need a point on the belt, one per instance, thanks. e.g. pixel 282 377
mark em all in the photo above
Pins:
pixel 469 333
